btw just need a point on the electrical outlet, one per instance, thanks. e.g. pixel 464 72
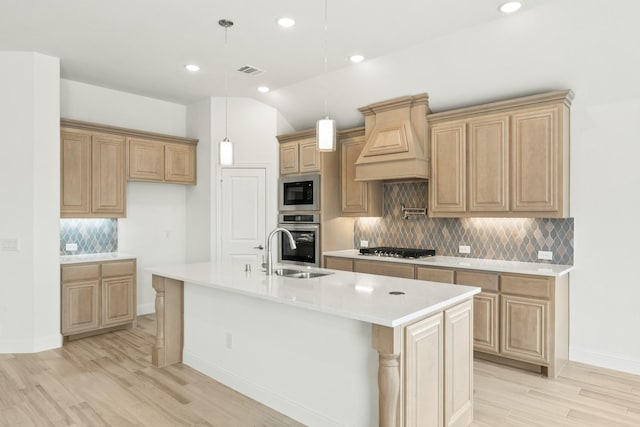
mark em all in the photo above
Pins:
pixel 71 247
pixel 546 255
pixel 364 243
pixel 9 245
pixel 464 249
pixel 229 338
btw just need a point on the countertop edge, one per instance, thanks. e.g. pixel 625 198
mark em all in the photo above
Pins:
pixel 477 264
pixel 99 257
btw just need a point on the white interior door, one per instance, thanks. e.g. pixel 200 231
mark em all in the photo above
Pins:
pixel 243 210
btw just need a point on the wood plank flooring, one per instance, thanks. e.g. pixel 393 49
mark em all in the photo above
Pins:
pixel 108 380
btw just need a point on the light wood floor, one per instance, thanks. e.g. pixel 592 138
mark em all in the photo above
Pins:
pixel 108 380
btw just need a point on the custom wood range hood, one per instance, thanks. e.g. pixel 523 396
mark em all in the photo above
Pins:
pixel 395 140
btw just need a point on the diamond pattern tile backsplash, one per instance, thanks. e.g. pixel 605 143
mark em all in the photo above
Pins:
pixel 512 239
pixel 91 235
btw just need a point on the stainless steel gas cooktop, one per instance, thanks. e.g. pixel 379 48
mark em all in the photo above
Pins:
pixel 387 251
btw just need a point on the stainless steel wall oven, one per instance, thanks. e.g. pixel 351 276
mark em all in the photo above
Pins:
pixel 305 229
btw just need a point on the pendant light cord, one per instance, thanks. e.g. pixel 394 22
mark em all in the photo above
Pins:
pixel 326 56
pixel 226 87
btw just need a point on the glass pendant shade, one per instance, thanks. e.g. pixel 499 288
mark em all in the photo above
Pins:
pixel 226 152
pixel 326 134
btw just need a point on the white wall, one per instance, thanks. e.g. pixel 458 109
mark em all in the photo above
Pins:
pixel 30 191
pixel 252 128
pixel 155 227
pixel 198 227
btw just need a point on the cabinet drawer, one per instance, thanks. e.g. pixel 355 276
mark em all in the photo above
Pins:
pixel 121 268
pixel 487 281
pixel 73 273
pixel 434 274
pixel 384 268
pixel 526 285
pixel 343 264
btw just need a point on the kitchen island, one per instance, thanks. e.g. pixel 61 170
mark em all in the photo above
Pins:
pixel 304 346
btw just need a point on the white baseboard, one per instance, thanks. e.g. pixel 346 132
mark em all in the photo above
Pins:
pixel 257 392
pixel 146 308
pixel 604 360
pixel 47 343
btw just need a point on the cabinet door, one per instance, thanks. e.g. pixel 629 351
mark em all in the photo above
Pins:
pixel 80 309
pixel 335 263
pixel 447 192
pixel 75 173
pixel 485 322
pixel 489 164
pixel 146 160
pixel 384 268
pixel 309 156
pixel 536 159
pixel 359 198
pixel 180 163
pixel 424 368
pixel 108 176
pixel 434 274
pixel 118 301
pixel 288 158
pixel 523 328
pixel 458 365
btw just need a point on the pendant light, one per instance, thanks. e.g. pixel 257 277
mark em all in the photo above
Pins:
pixel 226 147
pixel 325 127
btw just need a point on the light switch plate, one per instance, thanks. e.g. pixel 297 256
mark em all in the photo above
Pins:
pixel 545 255
pixel 364 243
pixel 71 247
pixel 10 245
pixel 464 249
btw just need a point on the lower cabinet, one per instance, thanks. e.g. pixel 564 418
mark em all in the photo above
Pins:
pixel 97 297
pixel 383 268
pixel 517 319
pixel 439 369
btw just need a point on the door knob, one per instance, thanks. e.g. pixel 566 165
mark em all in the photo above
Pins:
pixel 259 247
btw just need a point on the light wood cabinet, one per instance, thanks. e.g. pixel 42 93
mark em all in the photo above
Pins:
pixel 359 198
pixel 504 159
pixel 384 268
pixel 489 164
pixel 424 364
pixel 336 263
pixel 524 324
pixel 299 153
pixel 447 192
pixel 97 297
pixel 518 319
pixel 438 369
pixel 458 366
pixel 92 175
pixel 435 274
pixel 158 161
pixel 485 322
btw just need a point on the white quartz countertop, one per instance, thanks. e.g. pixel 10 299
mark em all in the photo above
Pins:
pixel 532 268
pixel 358 296
pixel 108 256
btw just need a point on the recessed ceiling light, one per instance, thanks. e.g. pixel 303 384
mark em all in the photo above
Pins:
pixel 263 89
pixel 510 6
pixel 192 67
pixel 286 22
pixel 356 58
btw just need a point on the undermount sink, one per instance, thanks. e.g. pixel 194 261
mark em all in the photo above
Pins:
pixel 298 274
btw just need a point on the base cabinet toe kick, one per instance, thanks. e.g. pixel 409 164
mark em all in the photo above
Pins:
pixel 425 366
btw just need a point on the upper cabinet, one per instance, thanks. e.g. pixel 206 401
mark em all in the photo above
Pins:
pixel 358 198
pixel 157 161
pixel 92 174
pixel 298 153
pixel 504 159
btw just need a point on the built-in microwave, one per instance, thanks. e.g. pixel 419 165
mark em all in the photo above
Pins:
pixel 299 193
